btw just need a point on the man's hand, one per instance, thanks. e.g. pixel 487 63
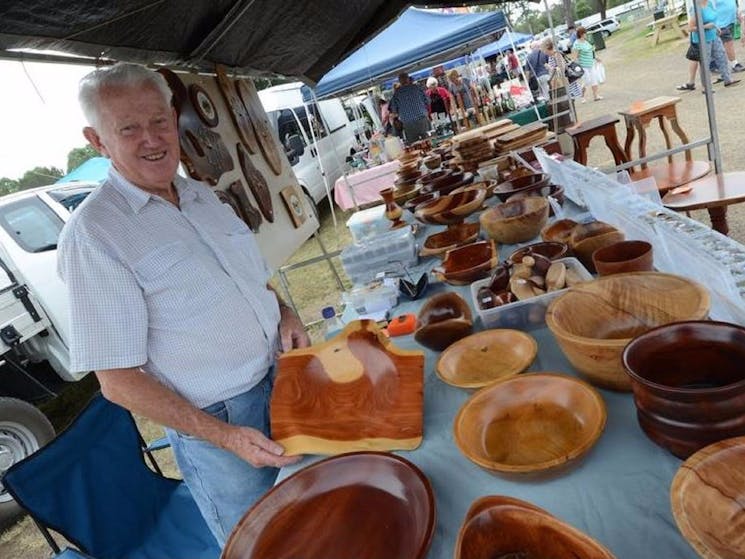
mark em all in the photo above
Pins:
pixel 253 447
pixel 292 334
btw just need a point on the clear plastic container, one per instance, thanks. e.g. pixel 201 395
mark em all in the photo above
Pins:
pixel 368 223
pixel 388 252
pixel 377 297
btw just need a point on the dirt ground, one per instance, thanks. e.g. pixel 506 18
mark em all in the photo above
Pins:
pixel 635 71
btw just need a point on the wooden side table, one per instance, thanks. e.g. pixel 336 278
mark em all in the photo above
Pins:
pixel 713 193
pixel 604 126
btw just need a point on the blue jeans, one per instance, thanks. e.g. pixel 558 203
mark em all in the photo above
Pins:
pixel 223 485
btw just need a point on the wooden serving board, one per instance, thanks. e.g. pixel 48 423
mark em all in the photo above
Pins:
pixel 523 131
pixel 250 98
pixel 237 110
pixel 256 182
pixel 356 391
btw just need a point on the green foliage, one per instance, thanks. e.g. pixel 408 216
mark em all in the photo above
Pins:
pixel 39 176
pixel 78 156
pixel 8 186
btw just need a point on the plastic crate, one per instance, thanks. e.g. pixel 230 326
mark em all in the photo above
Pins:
pixel 388 252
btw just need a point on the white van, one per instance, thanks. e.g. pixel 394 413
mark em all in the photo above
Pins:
pixel 607 27
pixel 298 121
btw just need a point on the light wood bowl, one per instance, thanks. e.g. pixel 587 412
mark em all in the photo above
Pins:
pixel 455 236
pixel 452 209
pixel 515 222
pixel 559 231
pixel 442 320
pixel 504 527
pixel 594 321
pixel 356 391
pixel 530 423
pixel 365 505
pixel 484 357
pixel 708 500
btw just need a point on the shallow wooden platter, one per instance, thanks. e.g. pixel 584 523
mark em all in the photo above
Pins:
pixel 439 243
pixel 530 423
pixel 708 500
pixel 468 263
pixel 484 357
pixel 503 527
pixel 365 505
pixel 356 391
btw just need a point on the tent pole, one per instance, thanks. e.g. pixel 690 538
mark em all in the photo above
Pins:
pixel 705 75
pixel 318 153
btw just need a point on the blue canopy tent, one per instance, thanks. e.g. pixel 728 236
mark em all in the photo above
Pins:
pixel 417 39
pixel 507 41
pixel 95 169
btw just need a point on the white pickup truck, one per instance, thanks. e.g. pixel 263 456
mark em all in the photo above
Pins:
pixel 34 357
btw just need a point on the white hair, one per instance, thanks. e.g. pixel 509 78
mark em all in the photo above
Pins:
pixel 121 74
pixel 431 81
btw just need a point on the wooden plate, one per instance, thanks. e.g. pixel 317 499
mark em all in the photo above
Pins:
pixel 256 182
pixel 265 138
pixel 365 505
pixel 356 391
pixel 484 357
pixel 504 527
pixel 708 500
pixel 530 423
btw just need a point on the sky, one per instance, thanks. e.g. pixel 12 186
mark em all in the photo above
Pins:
pixel 39 129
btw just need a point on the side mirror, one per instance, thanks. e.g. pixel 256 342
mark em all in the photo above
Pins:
pixel 296 144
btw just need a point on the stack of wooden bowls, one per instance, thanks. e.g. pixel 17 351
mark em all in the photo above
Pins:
pixel 406 177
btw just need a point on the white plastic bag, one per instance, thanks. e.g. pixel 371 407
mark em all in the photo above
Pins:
pixel 600 72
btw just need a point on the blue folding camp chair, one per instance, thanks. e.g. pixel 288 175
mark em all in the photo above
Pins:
pixel 91 485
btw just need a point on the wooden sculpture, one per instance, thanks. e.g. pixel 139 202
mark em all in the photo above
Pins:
pixel 356 391
pixel 257 183
pixel 267 144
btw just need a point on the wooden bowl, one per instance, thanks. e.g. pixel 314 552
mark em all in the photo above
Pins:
pixel 624 257
pixel 443 181
pixel 515 222
pixel 365 505
pixel 466 264
pixel 419 199
pixel 519 184
pixel 560 231
pixel 708 500
pixel 586 238
pixel 503 527
pixel 594 321
pixel 530 423
pixel 553 190
pixel 465 179
pixel 551 250
pixel 442 320
pixel 432 161
pixel 451 209
pixel 356 391
pixel 689 383
pixel 488 185
pixel 430 177
pixel 455 236
pixel 482 358
pixel 410 181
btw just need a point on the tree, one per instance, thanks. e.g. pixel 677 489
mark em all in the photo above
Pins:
pixel 602 6
pixel 39 176
pixel 8 186
pixel 78 156
pixel 568 12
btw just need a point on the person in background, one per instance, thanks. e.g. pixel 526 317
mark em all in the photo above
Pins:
pixel 584 54
pixel 556 65
pixel 537 66
pixel 572 32
pixel 411 106
pixel 726 18
pixel 169 301
pixel 440 100
pixel 513 64
pixel 464 94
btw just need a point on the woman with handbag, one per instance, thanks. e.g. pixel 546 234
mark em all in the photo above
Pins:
pixel 584 54
pixel 557 67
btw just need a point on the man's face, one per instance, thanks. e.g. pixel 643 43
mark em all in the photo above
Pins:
pixel 137 130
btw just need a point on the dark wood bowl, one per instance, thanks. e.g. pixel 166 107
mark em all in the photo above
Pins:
pixel 530 423
pixel 688 380
pixel 468 263
pixel 442 320
pixel 520 184
pixel 445 180
pixel 455 236
pixel 515 222
pixel 418 200
pixel 432 176
pixel 465 180
pixel 550 249
pixel 432 161
pixel 708 500
pixel 450 209
pixel 365 505
pixel 623 257
pixel 498 527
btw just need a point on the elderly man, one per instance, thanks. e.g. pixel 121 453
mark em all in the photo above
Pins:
pixel 537 65
pixel 169 300
pixel 411 106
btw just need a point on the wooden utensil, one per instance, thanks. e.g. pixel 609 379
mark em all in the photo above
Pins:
pixel 530 423
pixel 482 358
pixel 366 505
pixel 356 391
pixel 708 500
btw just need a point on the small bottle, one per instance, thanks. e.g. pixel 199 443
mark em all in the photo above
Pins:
pixel 332 322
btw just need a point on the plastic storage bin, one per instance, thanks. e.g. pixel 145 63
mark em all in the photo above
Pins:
pixel 522 315
pixel 387 252
pixel 374 298
pixel 368 223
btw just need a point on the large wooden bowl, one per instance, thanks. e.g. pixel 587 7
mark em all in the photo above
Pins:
pixel 412 203
pixel 708 500
pixel 689 383
pixel 504 527
pixel 586 238
pixel 521 184
pixel 356 391
pixel 530 423
pixel 452 209
pixel 466 264
pixel 365 505
pixel 515 222
pixel 455 236
pixel 484 357
pixel 442 320
pixel 594 321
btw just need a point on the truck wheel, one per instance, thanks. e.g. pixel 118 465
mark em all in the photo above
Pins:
pixel 23 431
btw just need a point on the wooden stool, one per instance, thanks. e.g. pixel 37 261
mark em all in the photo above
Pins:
pixel 604 126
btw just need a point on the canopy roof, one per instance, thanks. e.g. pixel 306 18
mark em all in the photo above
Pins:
pixel 505 42
pixel 416 39
pixel 94 169
pixel 299 38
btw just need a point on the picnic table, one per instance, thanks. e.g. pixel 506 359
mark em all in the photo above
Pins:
pixel 667 23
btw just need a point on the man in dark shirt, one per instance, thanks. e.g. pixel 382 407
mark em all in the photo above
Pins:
pixel 536 62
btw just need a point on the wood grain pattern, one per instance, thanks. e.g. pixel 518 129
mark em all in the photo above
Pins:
pixel 363 505
pixel 708 500
pixel 452 209
pixel 237 109
pixel 257 115
pixel 468 263
pixel 624 257
pixel 515 222
pixel 498 527
pixel 482 358
pixel 530 423
pixel 594 321
pixel 356 391
pixel 251 215
pixel 532 181
pixel 586 238
pixel 439 243
pixel 443 319
pixel 257 183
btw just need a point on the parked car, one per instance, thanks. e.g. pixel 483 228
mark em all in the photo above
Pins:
pixel 606 26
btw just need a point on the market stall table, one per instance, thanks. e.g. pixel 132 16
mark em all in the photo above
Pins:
pixel 363 187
